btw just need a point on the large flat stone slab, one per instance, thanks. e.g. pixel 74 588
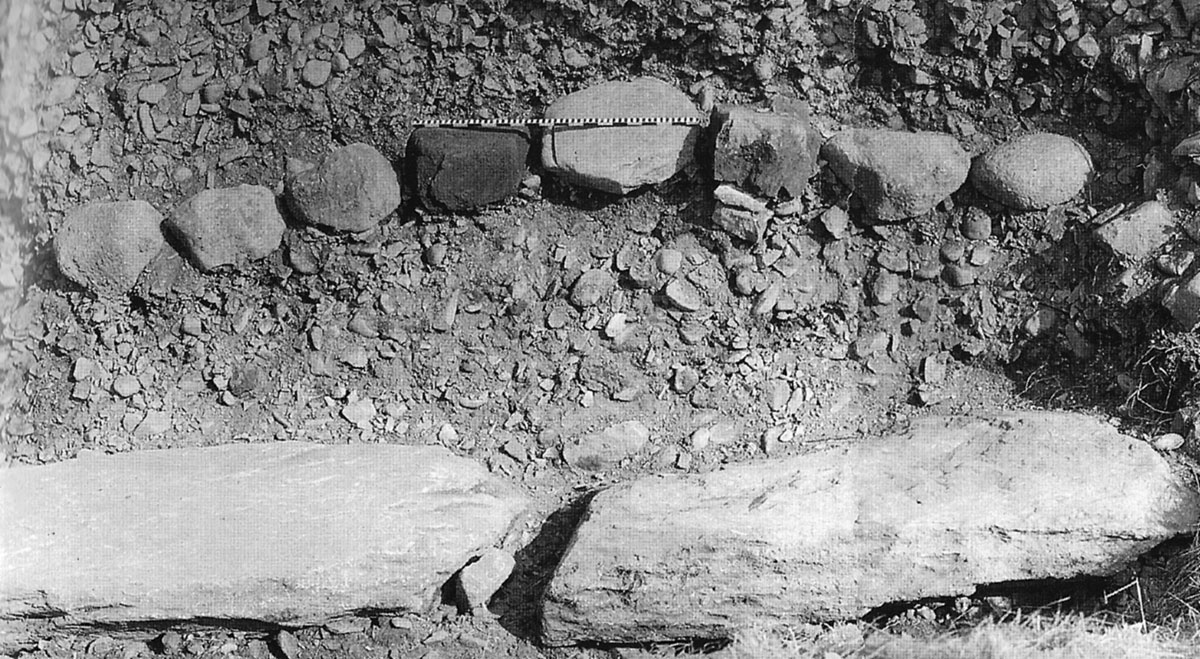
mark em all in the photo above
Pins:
pixel 289 533
pixel 930 512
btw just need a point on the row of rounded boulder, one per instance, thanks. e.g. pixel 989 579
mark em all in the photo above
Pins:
pixel 772 154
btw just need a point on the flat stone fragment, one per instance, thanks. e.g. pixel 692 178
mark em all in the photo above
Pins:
pixel 1136 235
pixel 896 175
pixel 288 533
pixel 765 151
pixel 461 169
pixel 105 246
pixel 934 511
pixel 352 189
pixel 229 225
pixel 619 159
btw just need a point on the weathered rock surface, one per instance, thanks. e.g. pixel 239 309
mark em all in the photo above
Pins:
pixel 290 532
pixel 895 174
pixel 459 169
pixel 1033 171
pixel 1137 234
pixel 620 159
pixel 105 246
pixel 765 151
pixel 228 225
pixel 600 450
pixel 930 512
pixel 352 189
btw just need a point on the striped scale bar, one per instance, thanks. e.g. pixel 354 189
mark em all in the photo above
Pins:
pixel 585 122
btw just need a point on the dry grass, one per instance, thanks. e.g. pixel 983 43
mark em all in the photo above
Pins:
pixel 1041 637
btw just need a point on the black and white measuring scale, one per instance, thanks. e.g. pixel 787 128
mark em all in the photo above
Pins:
pixel 589 122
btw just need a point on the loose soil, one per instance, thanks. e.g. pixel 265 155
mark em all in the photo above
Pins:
pixel 458 329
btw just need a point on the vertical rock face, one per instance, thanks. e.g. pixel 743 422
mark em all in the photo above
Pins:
pixel 352 189
pixel 105 246
pixel 896 175
pixel 287 532
pixel 460 169
pixel 228 225
pixel 765 151
pixel 931 512
pixel 619 159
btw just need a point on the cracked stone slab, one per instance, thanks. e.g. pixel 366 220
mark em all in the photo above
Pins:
pixel 288 533
pixel 932 511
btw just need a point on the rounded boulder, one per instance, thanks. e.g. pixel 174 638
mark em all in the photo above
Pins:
pixel 896 175
pixel 1033 171
pixel 352 189
pixel 105 246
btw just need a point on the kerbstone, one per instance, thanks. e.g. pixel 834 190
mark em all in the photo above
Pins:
pixel 460 169
pixel 227 226
pixel 933 511
pixel 351 189
pixel 765 151
pixel 290 533
pixel 622 158
pixel 105 246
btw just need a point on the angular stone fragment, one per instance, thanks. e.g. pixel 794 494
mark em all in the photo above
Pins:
pixel 742 224
pixel 1033 171
pixel 1183 301
pixel 289 533
pixel 105 246
pixel 933 511
pixel 1137 234
pixel 459 169
pixel 895 174
pixel 765 151
pixel 481 578
pixel 600 450
pixel 618 159
pixel 229 225
pixel 352 189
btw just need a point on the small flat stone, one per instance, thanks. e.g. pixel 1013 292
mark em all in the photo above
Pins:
pixel 83 64
pixel 741 224
pixel 731 196
pixel 1135 235
pixel 353 45
pixel 604 449
pixel 318 532
pixel 259 47
pixel 481 578
pixel 669 261
pixel 126 386
pixel 591 287
pixel 683 295
pixel 360 412
pixel 152 93
pixel 316 72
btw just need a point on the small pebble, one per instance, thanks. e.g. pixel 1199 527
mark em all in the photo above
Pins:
pixel 615 325
pixel 213 93
pixel 83 65
pixel 958 275
pixel 259 47
pixel 447 434
pixel 976 225
pixel 982 255
pixel 685 379
pixel 316 72
pixel 886 288
pixel 435 255
pixel 353 45
pixel 126 386
pixel 684 295
pixel 953 251
pixel 287 645
pixel 1168 442
pixel 591 287
pixel 836 221
pixel 152 93
pixel 669 261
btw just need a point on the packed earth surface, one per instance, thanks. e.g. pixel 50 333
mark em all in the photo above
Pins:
pixel 576 309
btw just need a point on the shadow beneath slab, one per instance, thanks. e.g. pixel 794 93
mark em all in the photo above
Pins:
pixel 519 601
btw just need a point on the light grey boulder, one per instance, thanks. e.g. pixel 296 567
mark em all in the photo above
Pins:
pixel 619 159
pixel 1136 234
pixel 895 175
pixel 351 189
pixel 286 533
pixel 1033 171
pixel 228 226
pixel 932 511
pixel 105 246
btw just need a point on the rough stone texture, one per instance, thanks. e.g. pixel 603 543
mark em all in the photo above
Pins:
pixel 895 174
pixel 600 450
pixel 930 512
pixel 480 579
pixel 620 159
pixel 1184 303
pixel 105 246
pixel 352 189
pixel 1033 171
pixel 460 169
pixel 1137 234
pixel 744 225
pixel 229 225
pixel 591 287
pixel 290 532
pixel 765 151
